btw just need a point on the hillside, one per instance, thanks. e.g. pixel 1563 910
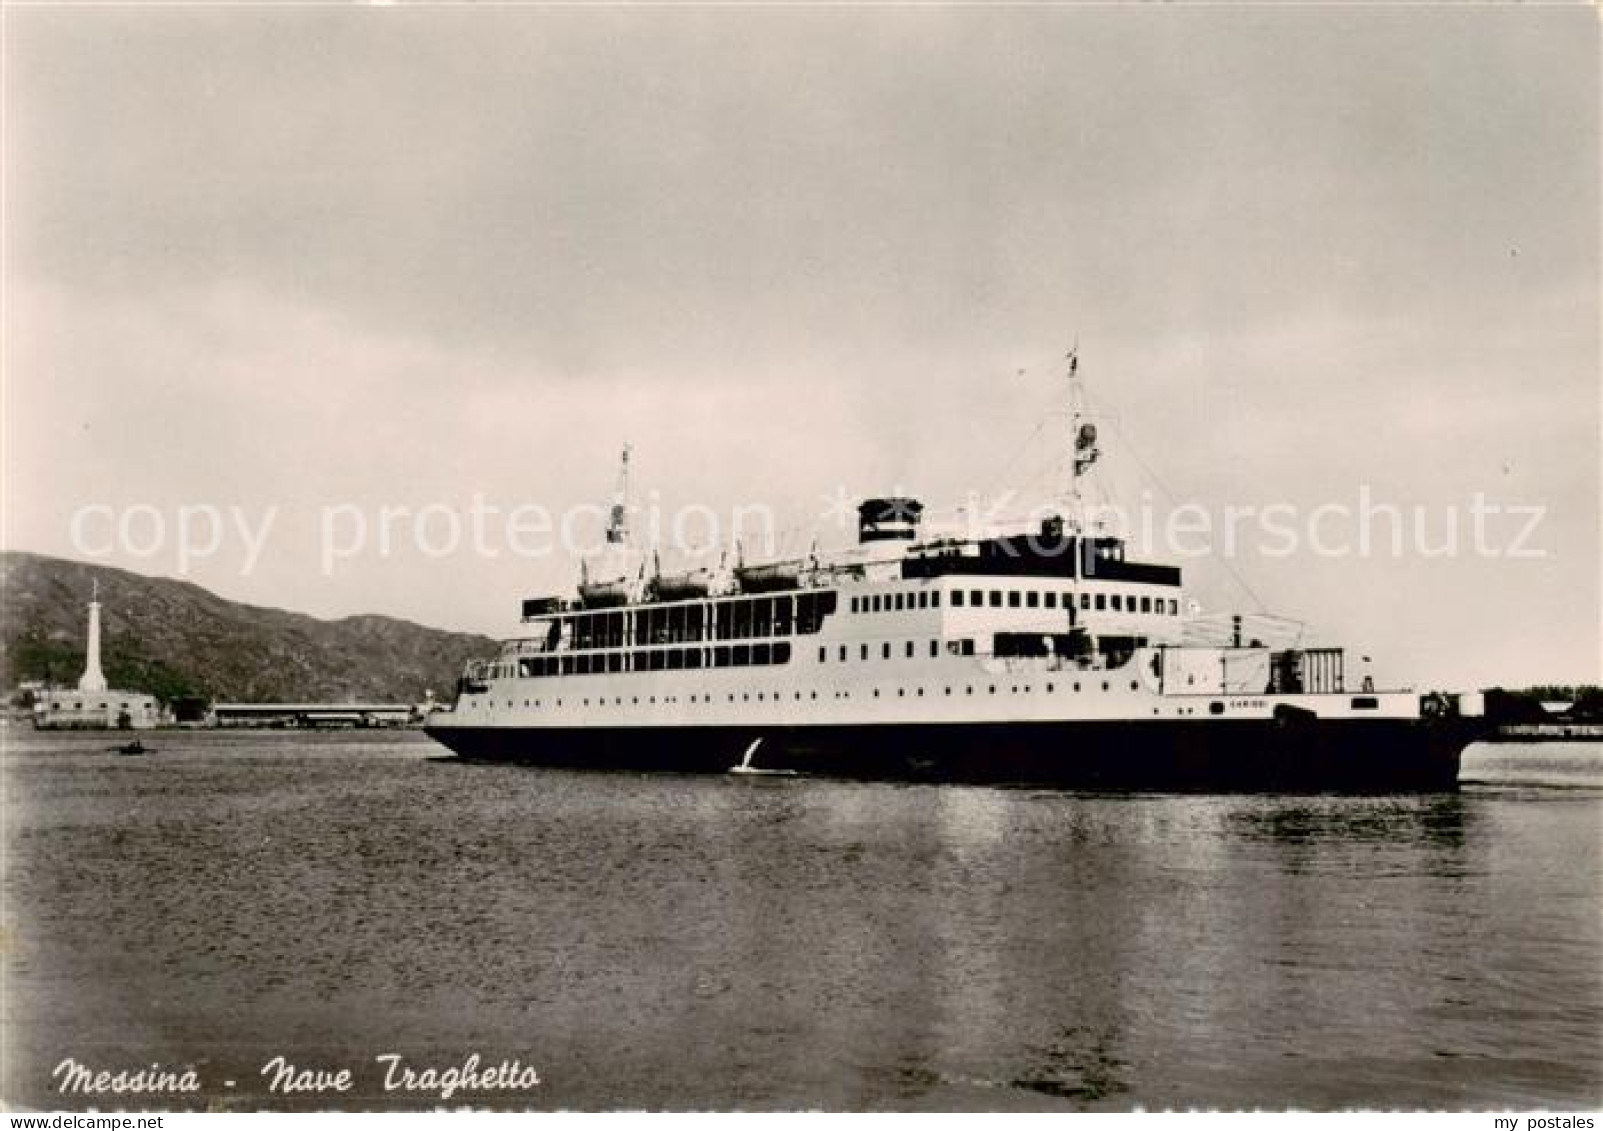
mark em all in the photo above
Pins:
pixel 173 638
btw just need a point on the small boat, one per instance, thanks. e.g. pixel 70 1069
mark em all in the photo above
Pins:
pixel 604 594
pixel 134 747
pixel 770 577
pixel 689 585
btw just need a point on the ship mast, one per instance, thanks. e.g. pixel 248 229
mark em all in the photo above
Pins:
pixel 612 563
pixel 618 520
pixel 1083 452
pixel 1082 440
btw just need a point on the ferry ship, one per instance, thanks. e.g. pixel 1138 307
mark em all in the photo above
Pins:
pixel 1044 655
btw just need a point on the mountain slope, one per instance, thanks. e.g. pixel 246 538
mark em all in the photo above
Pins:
pixel 173 638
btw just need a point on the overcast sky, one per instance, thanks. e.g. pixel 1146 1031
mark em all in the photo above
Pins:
pixel 309 257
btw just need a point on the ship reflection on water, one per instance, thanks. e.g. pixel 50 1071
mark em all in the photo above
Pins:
pixel 742 942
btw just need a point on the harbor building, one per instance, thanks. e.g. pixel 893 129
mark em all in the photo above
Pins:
pixel 94 704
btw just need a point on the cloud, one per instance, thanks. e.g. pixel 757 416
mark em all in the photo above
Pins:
pixel 745 181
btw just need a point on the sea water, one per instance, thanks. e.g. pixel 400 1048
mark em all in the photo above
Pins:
pixel 237 901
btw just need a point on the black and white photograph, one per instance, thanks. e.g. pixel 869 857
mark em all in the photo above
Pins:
pixel 759 558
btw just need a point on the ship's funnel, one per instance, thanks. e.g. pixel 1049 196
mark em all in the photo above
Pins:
pixel 884 520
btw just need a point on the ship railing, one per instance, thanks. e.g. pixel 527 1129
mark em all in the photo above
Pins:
pixel 1261 630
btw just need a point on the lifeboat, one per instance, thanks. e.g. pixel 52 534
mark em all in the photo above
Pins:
pixel 604 594
pixel 769 577
pixel 682 586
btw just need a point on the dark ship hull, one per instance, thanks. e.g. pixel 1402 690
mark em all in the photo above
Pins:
pixel 1260 756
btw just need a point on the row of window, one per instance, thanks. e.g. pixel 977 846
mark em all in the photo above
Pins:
pixel 679 659
pixel 663 659
pixel 797 696
pixel 757 655
pixel 887 648
pixel 739 618
pixel 1015 599
pixel 896 602
pixel 1031 599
